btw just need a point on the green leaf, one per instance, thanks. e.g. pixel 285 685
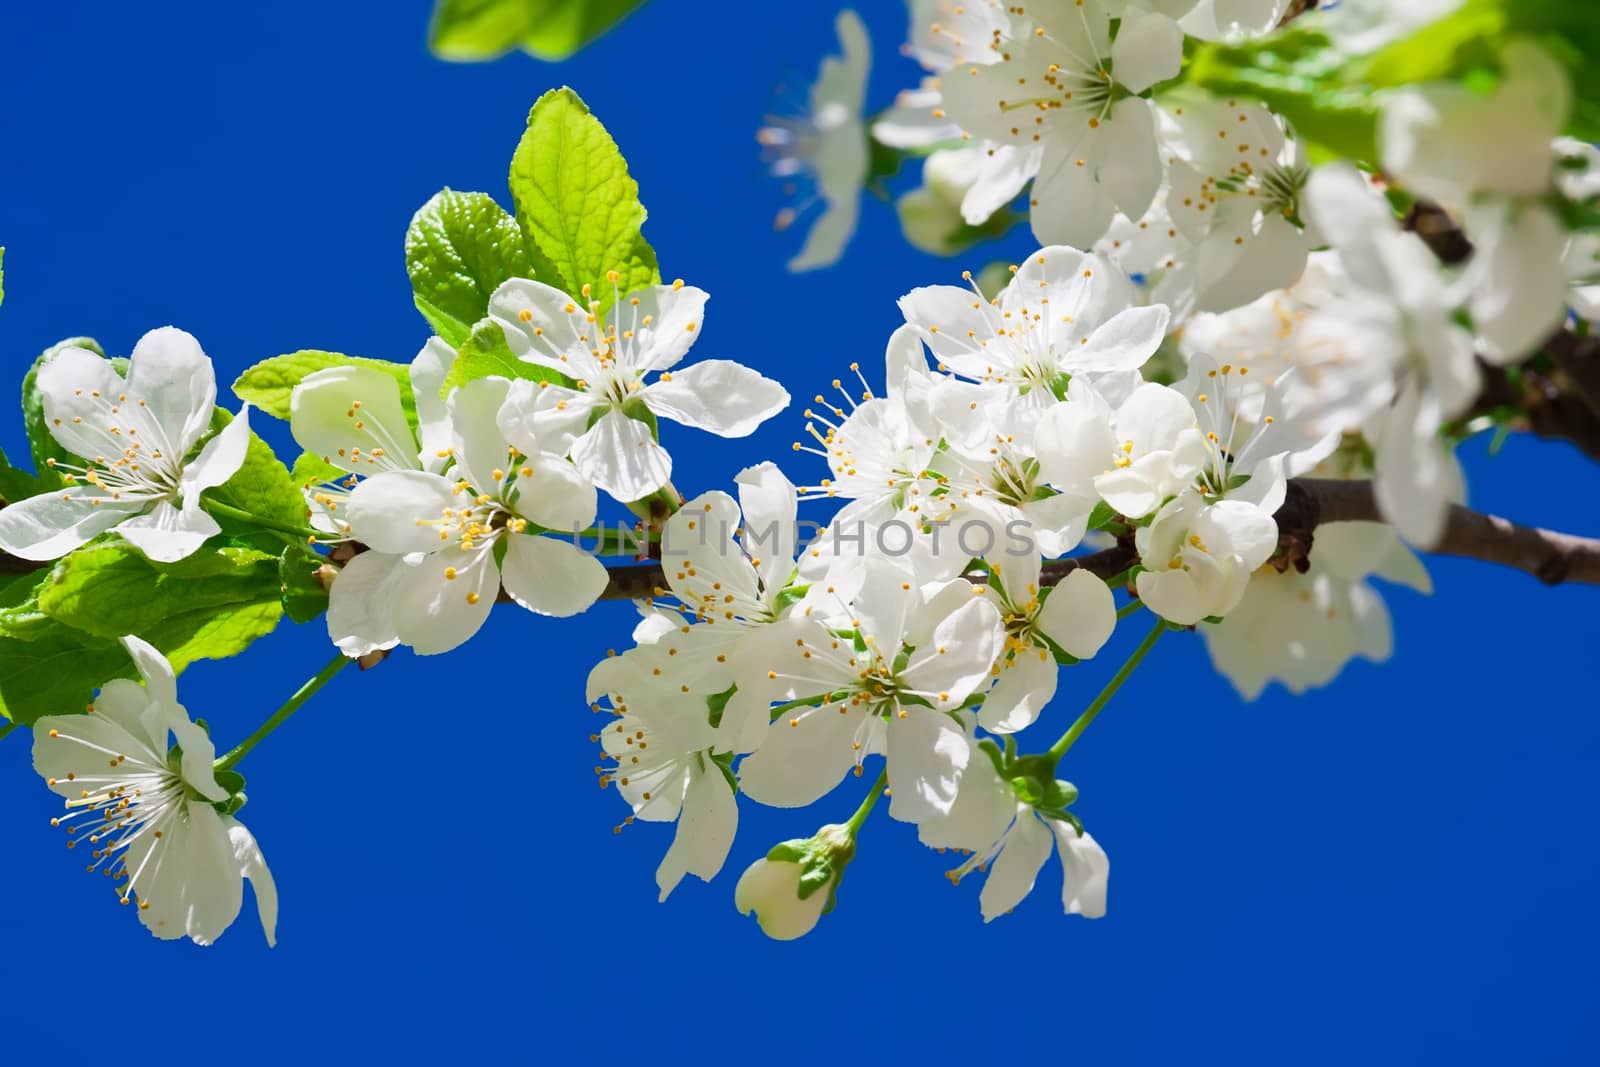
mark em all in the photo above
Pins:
pixel 262 486
pixel 1300 75
pixel 312 469
pixel 43 446
pixel 453 332
pixel 486 355
pixel 550 29
pixel 16 485
pixel 269 383
pixel 59 630
pixel 55 675
pixel 576 202
pixel 459 248
pixel 20 616
pixel 303 595
pixel 109 589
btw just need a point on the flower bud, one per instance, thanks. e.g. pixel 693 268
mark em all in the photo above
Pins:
pixel 794 885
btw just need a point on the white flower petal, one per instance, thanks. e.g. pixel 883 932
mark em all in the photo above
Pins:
pixel 665 322
pixel 166 534
pixel 1085 871
pixel 175 379
pixel 927 753
pixel 435 613
pixel 387 511
pixel 1148 49
pixel 218 461
pixel 1079 614
pixel 1017 867
pixel 706 825
pixel 620 456
pixel 352 417
pixel 253 865
pixel 50 525
pixel 718 396
pixel 361 603
pixel 550 576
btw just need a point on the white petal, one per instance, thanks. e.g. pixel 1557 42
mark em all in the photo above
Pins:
pixel 1016 868
pixel 480 447
pixel 1024 687
pixel 361 603
pixel 706 826
pixel 958 657
pixel 429 370
pixel 74 386
pixel 434 613
pixel 665 323
pixel 555 495
pixel 167 534
pixel 1068 206
pixel 219 460
pixel 51 525
pixel 1273 259
pixel 253 865
pixel 386 511
pixel 927 753
pixel 797 764
pixel 718 396
pixel 343 413
pixel 1148 49
pixel 1126 342
pixel 1079 614
pixel 826 240
pixel 539 417
pixel 619 455
pixel 1085 871
pixel 160 681
pixel 550 576
pixel 175 378
pixel 1130 163
pixel 544 326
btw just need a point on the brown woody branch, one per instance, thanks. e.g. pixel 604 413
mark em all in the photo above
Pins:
pixel 1549 556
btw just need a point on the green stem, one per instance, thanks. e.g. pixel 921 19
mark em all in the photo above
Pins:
pixel 1059 749
pixel 1128 609
pixel 228 511
pixel 808 702
pixel 279 717
pixel 871 801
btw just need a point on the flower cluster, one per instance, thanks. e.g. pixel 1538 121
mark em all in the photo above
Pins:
pixel 1133 422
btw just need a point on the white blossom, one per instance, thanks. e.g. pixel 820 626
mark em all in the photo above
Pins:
pixel 1300 629
pixel 936 646
pixel 432 574
pixel 827 146
pixel 645 333
pixel 151 823
pixel 1064 90
pixel 133 436
pixel 1012 841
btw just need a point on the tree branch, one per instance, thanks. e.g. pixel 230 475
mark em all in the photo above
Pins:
pixel 1549 556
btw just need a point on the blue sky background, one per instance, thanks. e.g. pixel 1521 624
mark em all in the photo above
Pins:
pixel 1401 868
